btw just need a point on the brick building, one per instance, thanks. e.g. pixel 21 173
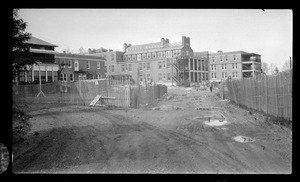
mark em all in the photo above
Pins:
pixel 157 62
pixel 236 64
pixel 75 67
pixel 111 59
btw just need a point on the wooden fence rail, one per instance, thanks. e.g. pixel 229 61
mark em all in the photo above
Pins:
pixel 270 94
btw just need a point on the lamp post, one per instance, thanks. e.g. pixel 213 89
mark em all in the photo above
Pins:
pixel 40 82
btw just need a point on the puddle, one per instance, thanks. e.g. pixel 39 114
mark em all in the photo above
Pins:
pixel 243 139
pixel 216 122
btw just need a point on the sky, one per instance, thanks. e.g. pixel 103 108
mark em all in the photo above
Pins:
pixel 268 33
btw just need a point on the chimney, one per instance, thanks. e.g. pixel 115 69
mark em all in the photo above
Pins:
pixel 124 47
pixel 162 40
pixel 110 50
pixel 219 51
pixel 185 41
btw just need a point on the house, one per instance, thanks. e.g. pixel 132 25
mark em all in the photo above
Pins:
pixel 43 53
pixel 234 64
pixel 73 67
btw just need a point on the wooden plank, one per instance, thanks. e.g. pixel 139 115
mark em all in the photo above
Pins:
pixel 95 100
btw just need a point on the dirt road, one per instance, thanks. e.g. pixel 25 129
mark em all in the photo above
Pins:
pixel 173 136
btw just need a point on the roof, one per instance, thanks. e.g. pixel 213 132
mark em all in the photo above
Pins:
pixel 230 52
pixel 78 56
pixel 36 41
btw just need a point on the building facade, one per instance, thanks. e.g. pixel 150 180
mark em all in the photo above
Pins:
pixel 43 53
pixel 157 62
pixel 236 64
pixel 73 67
pixel 111 59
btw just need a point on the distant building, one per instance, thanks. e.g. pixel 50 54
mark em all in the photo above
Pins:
pixel 111 59
pixel 157 62
pixel 236 64
pixel 43 54
pixel 75 67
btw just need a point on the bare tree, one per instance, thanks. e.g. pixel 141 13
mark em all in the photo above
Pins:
pixel 67 50
pixel 286 66
pixel 81 50
pixel 273 69
pixel 265 67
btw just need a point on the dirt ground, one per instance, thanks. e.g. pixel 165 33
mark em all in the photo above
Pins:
pixel 172 136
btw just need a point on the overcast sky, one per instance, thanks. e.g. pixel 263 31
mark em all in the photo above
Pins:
pixel 268 33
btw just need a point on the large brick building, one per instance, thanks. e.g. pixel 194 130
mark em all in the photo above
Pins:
pixel 157 62
pixel 236 64
pixel 75 67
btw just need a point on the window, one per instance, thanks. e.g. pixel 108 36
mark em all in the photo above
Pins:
pixel 129 57
pixel 148 55
pixel 134 57
pixel 168 63
pixel 159 54
pixel 154 55
pixel 212 75
pixel 168 76
pixel 129 67
pixel 163 54
pixel 234 74
pixel 112 68
pixel 212 67
pixel 169 54
pixel 159 65
pixel 144 65
pixel 159 76
pixel 87 65
pixel 224 75
pixel 141 77
pixel 98 65
pixel 99 76
pixel 234 65
pixel 140 66
pixel 148 65
pixel 143 56
pixel 64 77
pixel 221 58
pixel 84 76
pixel 76 66
pixel 138 57
pixel 213 59
pixel 164 76
pixel 174 53
pixel 224 66
pixel 123 67
pixel 226 58
pixel 71 77
pixel 69 64
pixel 234 58
pixel 164 64
pixel 148 77
pixel 113 57
pixel 79 77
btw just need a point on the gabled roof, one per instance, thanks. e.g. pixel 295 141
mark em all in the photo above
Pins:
pixel 36 41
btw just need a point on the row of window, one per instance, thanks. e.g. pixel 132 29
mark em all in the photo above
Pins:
pixel 70 63
pixel 64 77
pixel 224 66
pixel 201 64
pixel 224 75
pixel 153 55
pixel 49 76
pixel 223 59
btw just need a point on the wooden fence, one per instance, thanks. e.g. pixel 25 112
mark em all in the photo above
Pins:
pixel 84 92
pixel 270 94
